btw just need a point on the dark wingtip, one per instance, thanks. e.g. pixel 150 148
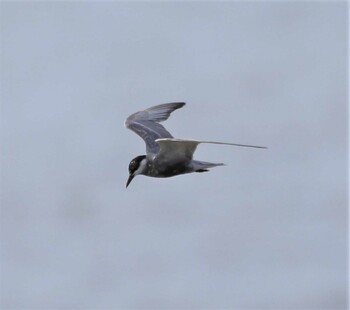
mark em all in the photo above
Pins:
pixel 176 105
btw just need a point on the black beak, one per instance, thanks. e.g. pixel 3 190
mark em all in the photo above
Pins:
pixel 131 176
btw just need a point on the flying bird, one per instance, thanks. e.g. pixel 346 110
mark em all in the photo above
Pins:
pixel 166 156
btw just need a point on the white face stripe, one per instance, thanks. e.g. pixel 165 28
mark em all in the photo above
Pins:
pixel 142 167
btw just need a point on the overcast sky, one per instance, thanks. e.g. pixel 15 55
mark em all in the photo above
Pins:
pixel 267 231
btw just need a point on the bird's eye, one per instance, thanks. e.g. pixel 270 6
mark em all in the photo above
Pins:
pixel 132 166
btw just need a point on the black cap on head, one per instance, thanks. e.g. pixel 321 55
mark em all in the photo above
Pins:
pixel 133 166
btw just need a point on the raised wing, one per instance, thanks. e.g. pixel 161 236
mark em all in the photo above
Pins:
pixel 146 124
pixel 182 150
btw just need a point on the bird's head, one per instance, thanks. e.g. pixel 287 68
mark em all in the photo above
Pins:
pixel 136 166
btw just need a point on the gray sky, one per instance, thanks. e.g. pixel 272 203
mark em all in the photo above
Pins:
pixel 267 231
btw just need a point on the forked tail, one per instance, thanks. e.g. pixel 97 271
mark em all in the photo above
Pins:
pixel 203 166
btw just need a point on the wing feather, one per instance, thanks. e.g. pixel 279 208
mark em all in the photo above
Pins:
pixel 146 124
pixel 182 150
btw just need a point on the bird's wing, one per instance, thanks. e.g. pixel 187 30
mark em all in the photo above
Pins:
pixel 176 150
pixel 146 124
pixel 180 149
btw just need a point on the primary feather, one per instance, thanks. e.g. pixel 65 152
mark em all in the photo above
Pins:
pixel 146 124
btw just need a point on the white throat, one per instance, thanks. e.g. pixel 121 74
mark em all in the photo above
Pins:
pixel 142 167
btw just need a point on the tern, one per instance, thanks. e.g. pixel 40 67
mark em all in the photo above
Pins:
pixel 166 156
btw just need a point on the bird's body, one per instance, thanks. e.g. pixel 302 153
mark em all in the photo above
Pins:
pixel 166 156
